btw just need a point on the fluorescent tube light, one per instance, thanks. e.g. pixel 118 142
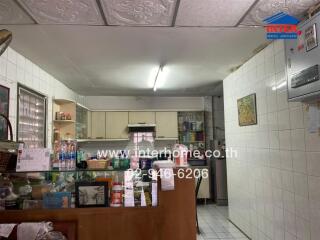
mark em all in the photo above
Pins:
pixel 156 79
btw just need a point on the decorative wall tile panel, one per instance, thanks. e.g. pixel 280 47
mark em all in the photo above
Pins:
pixel 11 13
pixel 64 11
pixel 139 12
pixel 211 12
pixel 266 8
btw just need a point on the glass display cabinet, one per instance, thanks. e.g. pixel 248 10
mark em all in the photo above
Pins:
pixel 191 129
pixel 81 122
pixel 59 189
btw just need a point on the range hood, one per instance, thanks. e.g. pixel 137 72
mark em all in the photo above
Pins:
pixel 142 127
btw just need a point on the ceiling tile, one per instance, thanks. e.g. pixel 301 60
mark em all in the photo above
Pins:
pixel 266 8
pixel 139 12
pixel 85 12
pixel 212 12
pixel 11 13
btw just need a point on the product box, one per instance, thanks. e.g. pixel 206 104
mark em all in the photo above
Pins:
pixel 57 200
pixel 32 204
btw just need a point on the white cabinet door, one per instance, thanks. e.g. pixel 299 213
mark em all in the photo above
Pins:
pixel 142 117
pixel 167 124
pixel 98 125
pixel 117 125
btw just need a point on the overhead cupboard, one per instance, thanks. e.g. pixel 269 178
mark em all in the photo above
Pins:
pixel 116 125
pixel 142 118
pixel 98 125
pixel 73 121
pixel 166 125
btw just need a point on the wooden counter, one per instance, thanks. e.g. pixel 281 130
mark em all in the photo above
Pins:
pixel 173 219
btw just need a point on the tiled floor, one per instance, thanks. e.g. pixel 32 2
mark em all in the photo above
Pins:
pixel 214 224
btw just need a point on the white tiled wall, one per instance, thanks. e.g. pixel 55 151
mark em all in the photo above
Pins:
pixel 274 183
pixel 15 68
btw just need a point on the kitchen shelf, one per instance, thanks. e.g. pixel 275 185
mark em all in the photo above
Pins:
pixel 102 139
pixel 64 127
pixel 64 121
pixel 182 131
pixel 66 171
pixel 166 139
pixel 63 101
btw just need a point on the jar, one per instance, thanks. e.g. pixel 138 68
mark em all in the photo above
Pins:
pixel 116 195
pixel 116 163
pixel 180 155
pixel 56 135
pixel 58 116
pixel 68 116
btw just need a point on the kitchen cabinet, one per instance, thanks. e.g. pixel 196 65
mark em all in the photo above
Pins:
pixel 142 117
pixel 167 125
pixel 98 125
pixel 89 122
pixel 117 125
pixel 65 128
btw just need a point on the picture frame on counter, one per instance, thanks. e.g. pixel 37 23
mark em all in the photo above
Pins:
pixel 91 194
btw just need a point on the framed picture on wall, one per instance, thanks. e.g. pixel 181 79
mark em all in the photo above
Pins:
pixel 4 109
pixel 247 110
pixel 311 38
pixel 92 194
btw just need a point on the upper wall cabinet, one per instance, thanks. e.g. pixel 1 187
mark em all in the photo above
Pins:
pixel 142 117
pixel 167 125
pixel 98 125
pixel 117 125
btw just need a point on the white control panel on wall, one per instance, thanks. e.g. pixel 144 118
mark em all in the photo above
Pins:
pixel 314 117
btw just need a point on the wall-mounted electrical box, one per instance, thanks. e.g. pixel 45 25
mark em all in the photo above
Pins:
pixel 303 62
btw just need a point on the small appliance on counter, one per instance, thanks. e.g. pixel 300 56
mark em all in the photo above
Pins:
pixel 197 162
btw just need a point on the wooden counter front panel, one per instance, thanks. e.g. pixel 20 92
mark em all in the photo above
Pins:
pixel 174 219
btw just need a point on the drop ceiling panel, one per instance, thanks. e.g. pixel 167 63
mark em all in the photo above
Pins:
pixel 139 12
pixel 212 12
pixel 122 59
pixel 84 12
pixel 11 13
pixel 266 8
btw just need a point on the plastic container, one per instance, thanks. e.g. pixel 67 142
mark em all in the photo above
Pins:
pixel 97 164
pixel 134 162
pixel 180 154
pixel 116 163
pixel 116 195
pixel 124 163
